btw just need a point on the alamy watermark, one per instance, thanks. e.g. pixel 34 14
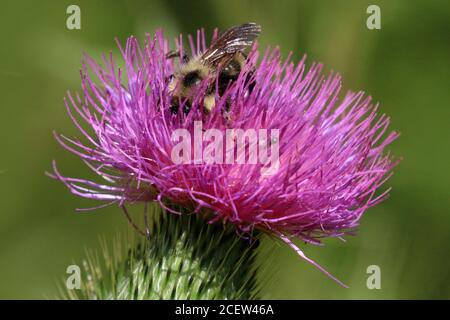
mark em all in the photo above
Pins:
pixel 73 21
pixel 374 280
pixel 374 19
pixel 234 146
pixel 74 279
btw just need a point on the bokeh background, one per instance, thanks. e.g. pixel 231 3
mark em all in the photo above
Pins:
pixel 405 66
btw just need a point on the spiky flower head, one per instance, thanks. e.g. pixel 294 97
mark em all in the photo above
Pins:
pixel 331 158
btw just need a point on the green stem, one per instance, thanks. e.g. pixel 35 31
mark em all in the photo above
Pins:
pixel 185 258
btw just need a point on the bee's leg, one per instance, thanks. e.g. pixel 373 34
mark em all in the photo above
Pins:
pixel 250 81
pixel 175 106
pixel 226 110
pixel 228 75
pixel 249 78
pixel 187 107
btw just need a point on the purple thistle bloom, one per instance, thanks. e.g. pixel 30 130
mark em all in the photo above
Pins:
pixel 331 148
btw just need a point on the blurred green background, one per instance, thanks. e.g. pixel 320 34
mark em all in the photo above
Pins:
pixel 405 66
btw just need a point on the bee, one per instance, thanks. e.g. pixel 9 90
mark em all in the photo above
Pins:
pixel 222 61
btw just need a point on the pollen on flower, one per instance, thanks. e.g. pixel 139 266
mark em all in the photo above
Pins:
pixel 331 146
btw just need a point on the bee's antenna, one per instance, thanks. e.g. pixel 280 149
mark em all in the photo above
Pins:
pixel 176 54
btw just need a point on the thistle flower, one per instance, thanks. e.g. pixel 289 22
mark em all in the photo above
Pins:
pixel 330 146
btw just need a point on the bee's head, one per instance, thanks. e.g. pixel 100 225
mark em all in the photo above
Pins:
pixel 188 76
pixel 192 78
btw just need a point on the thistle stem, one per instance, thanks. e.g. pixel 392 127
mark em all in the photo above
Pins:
pixel 184 258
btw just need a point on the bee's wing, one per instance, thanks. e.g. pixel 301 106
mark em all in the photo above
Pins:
pixel 233 40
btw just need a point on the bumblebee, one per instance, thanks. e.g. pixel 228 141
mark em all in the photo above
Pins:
pixel 222 61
